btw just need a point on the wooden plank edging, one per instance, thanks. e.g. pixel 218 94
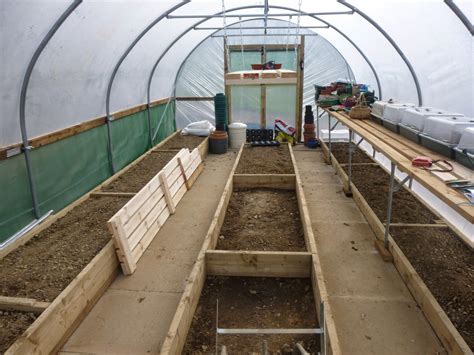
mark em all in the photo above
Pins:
pixel 436 316
pixel 54 217
pixel 53 327
pixel 22 304
pixel 258 263
pixel 274 181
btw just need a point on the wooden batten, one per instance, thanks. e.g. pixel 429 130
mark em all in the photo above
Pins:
pixel 439 321
pixel 112 194
pixel 258 263
pixel 53 327
pixel 55 136
pixel 274 181
pixel 251 263
pixel 22 304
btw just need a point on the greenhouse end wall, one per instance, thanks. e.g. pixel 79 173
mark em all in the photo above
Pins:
pixel 67 169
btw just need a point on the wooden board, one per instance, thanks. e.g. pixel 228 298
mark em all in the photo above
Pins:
pixel 452 341
pixel 53 327
pixel 136 224
pixel 258 263
pixel 250 263
pixel 439 321
pixel 273 181
pixel 451 197
pixel 55 136
pixel 22 304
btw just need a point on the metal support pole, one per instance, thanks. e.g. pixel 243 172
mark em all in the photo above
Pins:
pixel 112 78
pixel 389 204
pixel 24 89
pixel 322 326
pixel 393 43
pixel 317 122
pixel 460 15
pixel 329 129
pixel 311 14
pixel 350 160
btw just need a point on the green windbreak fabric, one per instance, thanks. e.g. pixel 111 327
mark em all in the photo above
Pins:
pixel 67 169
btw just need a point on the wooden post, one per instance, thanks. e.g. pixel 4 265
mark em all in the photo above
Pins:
pixel 299 89
pixel 167 193
pixel 263 94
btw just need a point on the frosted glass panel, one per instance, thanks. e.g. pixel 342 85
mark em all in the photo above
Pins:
pixel 239 62
pixel 287 59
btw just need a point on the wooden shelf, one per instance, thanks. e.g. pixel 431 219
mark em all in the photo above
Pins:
pixel 400 153
pixel 261 77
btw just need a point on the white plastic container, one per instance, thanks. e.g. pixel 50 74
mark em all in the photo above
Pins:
pixel 467 140
pixel 415 117
pixel 392 112
pixel 379 106
pixel 447 129
pixel 237 134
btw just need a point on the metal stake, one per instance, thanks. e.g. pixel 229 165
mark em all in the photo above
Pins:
pixel 322 326
pixel 389 206
pixel 350 160
pixel 264 347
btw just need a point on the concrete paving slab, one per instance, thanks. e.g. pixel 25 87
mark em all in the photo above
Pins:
pixel 125 322
pixel 388 327
pixel 134 314
pixel 335 211
pixel 158 273
pixel 315 193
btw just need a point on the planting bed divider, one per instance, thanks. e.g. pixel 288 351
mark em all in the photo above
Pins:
pixel 432 257
pixel 77 282
pixel 227 267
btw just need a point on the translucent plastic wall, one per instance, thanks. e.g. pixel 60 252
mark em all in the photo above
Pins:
pixel 203 73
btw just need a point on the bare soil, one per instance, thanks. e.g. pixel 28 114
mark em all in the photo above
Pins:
pixel 12 325
pixel 262 219
pixel 139 175
pixel 373 183
pixel 253 303
pixel 179 141
pixel 45 265
pixel 446 266
pixel 265 160
pixel 341 153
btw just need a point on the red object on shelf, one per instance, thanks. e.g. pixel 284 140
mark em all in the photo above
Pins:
pixel 260 66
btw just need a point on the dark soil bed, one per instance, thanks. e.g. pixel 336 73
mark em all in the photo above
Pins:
pixel 341 153
pixel 265 160
pixel 262 219
pixel 253 303
pixel 12 325
pixel 139 175
pixel 446 266
pixel 45 265
pixel 373 183
pixel 179 141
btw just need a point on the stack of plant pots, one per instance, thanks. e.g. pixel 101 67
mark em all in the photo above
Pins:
pixel 308 132
pixel 219 140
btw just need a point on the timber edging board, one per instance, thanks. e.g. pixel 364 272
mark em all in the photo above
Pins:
pixel 251 263
pixel 436 316
pixel 55 136
pixel 95 192
pixel 58 321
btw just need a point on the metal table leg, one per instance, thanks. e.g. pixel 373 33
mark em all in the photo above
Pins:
pixel 329 129
pixel 389 206
pixel 350 161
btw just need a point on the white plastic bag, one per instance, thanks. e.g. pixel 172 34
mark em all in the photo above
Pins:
pixel 200 128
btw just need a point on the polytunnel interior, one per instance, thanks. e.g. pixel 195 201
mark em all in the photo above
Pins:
pixel 342 174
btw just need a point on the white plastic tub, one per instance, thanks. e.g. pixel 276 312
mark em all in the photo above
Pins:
pixel 392 112
pixel 237 134
pixel 446 129
pixel 415 117
pixel 467 140
pixel 378 107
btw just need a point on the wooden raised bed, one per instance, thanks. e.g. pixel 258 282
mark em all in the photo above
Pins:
pixel 252 263
pixel 60 318
pixel 437 317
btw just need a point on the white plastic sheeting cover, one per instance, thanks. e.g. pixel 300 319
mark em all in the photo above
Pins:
pixel 203 72
pixel 69 82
